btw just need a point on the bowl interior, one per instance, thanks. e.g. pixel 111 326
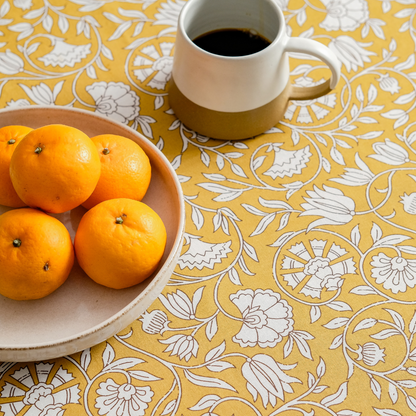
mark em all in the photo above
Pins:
pixel 80 305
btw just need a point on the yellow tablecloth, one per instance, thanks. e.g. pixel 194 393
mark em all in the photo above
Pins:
pixel 295 290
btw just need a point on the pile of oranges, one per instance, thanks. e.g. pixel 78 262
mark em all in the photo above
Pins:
pixel 119 241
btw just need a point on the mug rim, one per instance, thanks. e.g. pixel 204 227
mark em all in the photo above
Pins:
pixel 277 38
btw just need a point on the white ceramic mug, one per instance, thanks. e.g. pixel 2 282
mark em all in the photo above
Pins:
pixel 236 97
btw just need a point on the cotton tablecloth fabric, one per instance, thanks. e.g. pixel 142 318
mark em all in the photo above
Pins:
pixel 295 290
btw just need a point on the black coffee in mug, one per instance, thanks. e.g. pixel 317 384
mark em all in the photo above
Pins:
pixel 231 42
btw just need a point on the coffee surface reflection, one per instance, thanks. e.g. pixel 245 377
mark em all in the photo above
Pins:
pixel 231 42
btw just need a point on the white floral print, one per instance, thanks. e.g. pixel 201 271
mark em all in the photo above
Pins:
pixel 10 63
pixel 287 162
pixel 23 4
pixel 44 397
pixel 389 84
pixel 266 317
pixel 317 106
pixel 154 322
pixel 370 353
pixel 64 54
pixel 21 102
pixel 351 53
pixel 168 15
pixel 321 268
pixel 179 304
pixel 115 100
pixel 42 94
pixel 155 68
pixel 356 177
pixel 331 204
pixel 125 399
pixel 390 153
pixel 345 15
pixel 201 254
pixel 394 273
pixel 409 203
pixel 184 346
pixel 267 378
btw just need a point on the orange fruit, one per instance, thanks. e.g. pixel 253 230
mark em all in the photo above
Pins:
pixel 55 168
pixel 120 242
pixel 125 170
pixel 10 136
pixel 36 254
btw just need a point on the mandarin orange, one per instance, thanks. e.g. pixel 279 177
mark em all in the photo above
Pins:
pixel 10 136
pixel 36 254
pixel 55 168
pixel 125 170
pixel 120 242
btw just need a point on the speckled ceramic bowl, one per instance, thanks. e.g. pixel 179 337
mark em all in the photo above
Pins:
pixel 82 313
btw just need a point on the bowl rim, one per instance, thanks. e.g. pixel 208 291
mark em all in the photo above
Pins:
pixel 177 244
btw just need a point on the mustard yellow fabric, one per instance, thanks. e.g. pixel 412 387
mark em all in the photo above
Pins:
pixel 295 290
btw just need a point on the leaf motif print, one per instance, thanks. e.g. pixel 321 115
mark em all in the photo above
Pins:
pixel 336 323
pixel 315 313
pixel 205 402
pixel 386 333
pixel 142 375
pixel 211 328
pixel 337 397
pixel 336 342
pixel 365 324
pixel 169 408
pixel 387 412
pixel 85 358
pixel 375 387
pixel 108 355
pixel 204 381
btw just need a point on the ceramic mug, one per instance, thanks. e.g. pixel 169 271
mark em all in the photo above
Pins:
pixel 237 97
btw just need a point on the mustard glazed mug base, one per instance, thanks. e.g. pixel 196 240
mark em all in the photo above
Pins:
pixel 227 125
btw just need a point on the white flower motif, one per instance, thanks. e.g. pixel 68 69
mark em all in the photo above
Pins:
pixel 184 346
pixel 266 317
pixel 317 106
pixel 179 304
pixel 168 15
pixel 287 162
pixel 331 204
pixel 356 177
pixel 389 84
pixel 155 69
pixel 23 4
pixel 201 254
pixel 345 15
pixel 394 273
pixel 154 322
pixel 350 52
pixel 115 100
pixel 21 102
pixel 10 63
pixel 322 269
pixel 42 94
pixel 125 399
pixel 267 377
pixel 390 153
pixel 409 202
pixel 370 353
pixel 45 398
pixel 64 54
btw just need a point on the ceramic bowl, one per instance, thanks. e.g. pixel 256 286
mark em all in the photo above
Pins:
pixel 81 313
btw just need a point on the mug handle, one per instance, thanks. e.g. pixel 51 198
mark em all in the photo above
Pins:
pixel 322 52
